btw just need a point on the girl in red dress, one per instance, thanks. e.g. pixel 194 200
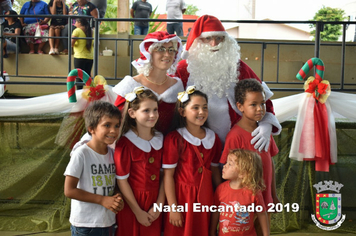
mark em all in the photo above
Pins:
pixel 137 157
pixel 190 162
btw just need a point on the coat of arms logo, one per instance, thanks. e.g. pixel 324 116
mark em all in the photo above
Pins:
pixel 328 205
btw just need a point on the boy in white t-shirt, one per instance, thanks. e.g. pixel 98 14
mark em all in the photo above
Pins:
pixel 90 174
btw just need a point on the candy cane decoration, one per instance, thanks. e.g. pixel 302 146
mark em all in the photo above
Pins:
pixel 319 66
pixel 71 82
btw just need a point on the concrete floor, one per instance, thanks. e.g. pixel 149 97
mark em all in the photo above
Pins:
pixel 67 233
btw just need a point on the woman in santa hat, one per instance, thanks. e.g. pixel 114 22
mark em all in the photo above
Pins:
pixel 160 53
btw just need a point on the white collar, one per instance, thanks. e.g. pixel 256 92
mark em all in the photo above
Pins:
pixel 169 96
pixel 156 142
pixel 208 141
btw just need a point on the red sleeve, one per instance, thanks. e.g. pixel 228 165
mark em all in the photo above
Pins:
pixel 122 157
pixel 170 149
pixel 218 149
pixel 273 149
pixel 259 200
pixel 182 72
pixel 217 195
pixel 120 102
pixel 231 142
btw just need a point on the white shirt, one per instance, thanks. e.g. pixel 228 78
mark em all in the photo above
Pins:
pixel 96 174
pixel 174 9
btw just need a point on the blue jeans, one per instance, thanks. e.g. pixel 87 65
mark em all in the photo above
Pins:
pixel 175 27
pixel 84 231
pixel 140 30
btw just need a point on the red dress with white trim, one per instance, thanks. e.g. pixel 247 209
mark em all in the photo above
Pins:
pixel 179 154
pixel 139 161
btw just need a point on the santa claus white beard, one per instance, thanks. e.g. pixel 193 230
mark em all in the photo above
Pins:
pixel 214 72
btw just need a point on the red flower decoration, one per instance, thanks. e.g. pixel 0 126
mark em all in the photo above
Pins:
pixel 316 88
pixel 322 88
pixel 312 85
pixel 96 92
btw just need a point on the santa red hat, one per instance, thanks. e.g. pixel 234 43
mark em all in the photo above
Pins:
pixel 204 26
pixel 159 36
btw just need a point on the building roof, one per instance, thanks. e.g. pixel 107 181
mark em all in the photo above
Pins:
pixel 186 25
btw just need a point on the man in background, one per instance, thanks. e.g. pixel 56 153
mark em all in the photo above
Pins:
pixel 175 10
pixel 141 9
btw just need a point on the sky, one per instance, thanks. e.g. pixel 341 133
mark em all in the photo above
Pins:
pixel 299 10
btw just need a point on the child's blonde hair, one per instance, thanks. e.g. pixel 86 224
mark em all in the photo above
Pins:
pixel 130 123
pixel 250 166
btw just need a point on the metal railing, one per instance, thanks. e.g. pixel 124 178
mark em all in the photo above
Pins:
pixel 317 45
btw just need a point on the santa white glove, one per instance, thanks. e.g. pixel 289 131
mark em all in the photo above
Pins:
pixel 262 136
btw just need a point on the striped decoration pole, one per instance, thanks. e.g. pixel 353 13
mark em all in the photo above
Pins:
pixel 319 66
pixel 73 74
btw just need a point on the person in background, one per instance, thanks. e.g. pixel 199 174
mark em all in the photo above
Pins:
pixel 56 7
pixel 83 48
pixel 94 202
pixel 175 10
pixel 141 9
pixel 79 8
pixel 12 27
pixel 35 7
pixel 5 6
pixel 101 5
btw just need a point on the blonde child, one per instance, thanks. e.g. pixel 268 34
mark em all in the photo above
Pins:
pixel 240 196
pixel 93 204
pixel 250 100
pixel 138 156
pixel 190 162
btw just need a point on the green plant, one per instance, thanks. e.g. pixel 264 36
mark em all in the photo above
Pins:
pixel 155 26
pixel 330 32
pixel 109 27
pixel 191 10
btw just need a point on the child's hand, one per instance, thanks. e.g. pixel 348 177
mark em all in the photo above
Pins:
pixel 121 202
pixel 144 218
pixel 176 219
pixel 112 203
pixel 154 215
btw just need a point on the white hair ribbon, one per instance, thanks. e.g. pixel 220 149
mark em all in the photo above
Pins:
pixel 184 96
pixel 133 95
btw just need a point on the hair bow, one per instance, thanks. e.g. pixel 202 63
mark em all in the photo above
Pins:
pixel 133 95
pixel 184 96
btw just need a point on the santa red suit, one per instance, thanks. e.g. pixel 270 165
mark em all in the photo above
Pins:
pixel 223 113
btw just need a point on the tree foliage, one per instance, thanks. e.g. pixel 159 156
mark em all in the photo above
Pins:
pixel 109 27
pixel 191 10
pixel 330 32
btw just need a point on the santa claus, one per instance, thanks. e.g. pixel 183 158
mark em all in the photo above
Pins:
pixel 212 63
